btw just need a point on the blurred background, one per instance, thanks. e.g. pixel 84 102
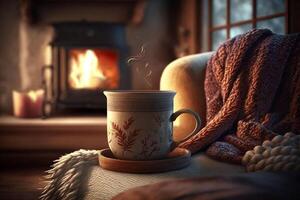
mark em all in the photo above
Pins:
pixel 58 56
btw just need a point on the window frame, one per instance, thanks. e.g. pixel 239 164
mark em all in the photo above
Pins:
pixel 254 20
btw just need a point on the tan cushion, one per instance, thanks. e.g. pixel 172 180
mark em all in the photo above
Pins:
pixel 186 77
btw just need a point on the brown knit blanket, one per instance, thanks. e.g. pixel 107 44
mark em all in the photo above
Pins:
pixel 252 88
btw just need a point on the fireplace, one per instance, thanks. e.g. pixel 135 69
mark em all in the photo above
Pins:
pixel 87 58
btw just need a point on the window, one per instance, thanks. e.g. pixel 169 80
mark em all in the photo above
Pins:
pixel 228 18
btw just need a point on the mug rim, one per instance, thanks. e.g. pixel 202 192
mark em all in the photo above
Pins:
pixel 139 100
pixel 139 92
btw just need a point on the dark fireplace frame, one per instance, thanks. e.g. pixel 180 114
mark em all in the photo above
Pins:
pixel 87 35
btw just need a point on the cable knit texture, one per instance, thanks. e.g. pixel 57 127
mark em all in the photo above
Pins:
pixel 252 88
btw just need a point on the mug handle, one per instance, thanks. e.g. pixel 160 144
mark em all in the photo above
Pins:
pixel 196 129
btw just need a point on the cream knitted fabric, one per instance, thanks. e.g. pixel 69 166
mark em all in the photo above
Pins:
pixel 63 180
pixel 282 153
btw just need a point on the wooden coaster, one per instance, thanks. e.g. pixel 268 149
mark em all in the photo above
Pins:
pixel 177 159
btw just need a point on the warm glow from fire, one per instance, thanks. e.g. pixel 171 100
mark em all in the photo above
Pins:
pixel 93 69
pixel 85 72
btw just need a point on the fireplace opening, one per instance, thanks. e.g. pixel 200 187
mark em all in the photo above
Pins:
pixel 87 58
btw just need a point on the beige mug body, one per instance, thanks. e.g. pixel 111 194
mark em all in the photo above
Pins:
pixel 140 124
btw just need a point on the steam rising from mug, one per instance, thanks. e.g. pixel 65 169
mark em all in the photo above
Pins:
pixel 143 66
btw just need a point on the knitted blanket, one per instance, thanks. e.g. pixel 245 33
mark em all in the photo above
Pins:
pixel 252 88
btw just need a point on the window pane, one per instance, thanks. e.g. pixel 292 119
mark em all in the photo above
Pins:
pixel 219 12
pixel 240 10
pixel 269 7
pixel 276 25
pixel 217 38
pixel 240 29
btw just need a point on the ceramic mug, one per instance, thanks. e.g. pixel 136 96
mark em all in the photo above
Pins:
pixel 140 124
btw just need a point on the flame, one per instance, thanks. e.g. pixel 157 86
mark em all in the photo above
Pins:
pixel 85 71
pixel 34 94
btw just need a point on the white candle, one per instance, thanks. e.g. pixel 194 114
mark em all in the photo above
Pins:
pixel 28 104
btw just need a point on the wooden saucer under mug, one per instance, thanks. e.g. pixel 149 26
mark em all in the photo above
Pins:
pixel 177 159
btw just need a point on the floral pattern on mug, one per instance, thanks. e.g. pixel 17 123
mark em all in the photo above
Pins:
pixel 159 120
pixel 125 137
pixel 149 146
pixel 139 136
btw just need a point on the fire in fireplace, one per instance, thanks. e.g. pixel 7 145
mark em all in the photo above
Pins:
pixel 93 69
pixel 87 58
